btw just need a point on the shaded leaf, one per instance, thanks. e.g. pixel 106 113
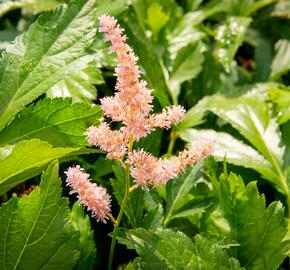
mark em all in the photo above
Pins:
pixel 178 192
pixel 87 248
pixel 34 230
pixel 57 121
pixel 135 206
pixel 187 65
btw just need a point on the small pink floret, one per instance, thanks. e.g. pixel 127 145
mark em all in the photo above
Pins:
pixel 95 198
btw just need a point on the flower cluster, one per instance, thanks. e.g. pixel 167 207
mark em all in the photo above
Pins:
pixel 95 198
pixel 131 105
pixel 132 102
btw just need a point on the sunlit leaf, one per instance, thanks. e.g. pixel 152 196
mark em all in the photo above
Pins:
pixel 57 121
pixel 28 159
pixel 79 86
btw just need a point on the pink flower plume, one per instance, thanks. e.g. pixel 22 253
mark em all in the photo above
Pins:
pixel 151 171
pixel 95 198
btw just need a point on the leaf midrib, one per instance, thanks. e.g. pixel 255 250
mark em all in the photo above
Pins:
pixel 34 224
pixel 47 127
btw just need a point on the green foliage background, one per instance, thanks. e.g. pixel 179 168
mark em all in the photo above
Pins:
pixel 227 62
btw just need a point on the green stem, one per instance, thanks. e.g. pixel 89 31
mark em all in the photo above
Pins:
pixel 123 206
pixel 173 138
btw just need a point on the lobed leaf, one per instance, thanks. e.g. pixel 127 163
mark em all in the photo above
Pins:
pixel 166 249
pixel 258 230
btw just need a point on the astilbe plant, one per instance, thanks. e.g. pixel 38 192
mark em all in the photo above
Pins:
pixel 132 106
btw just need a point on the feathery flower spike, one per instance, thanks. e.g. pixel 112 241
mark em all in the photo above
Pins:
pixel 131 105
pixel 95 198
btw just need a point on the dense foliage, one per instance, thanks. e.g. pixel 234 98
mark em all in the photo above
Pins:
pixel 227 62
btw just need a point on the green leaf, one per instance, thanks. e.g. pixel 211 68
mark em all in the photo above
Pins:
pixel 258 230
pixel 263 57
pixel 147 58
pixel 186 66
pixel 195 116
pixel 235 151
pixel 27 159
pixel 250 115
pixel 57 121
pixel 281 61
pixel 54 47
pixel 135 206
pixel 35 5
pixel 157 18
pixel 34 231
pixel 282 100
pixel 178 192
pixel 136 264
pixel 6 37
pixel 166 249
pixel 246 7
pixel 87 248
pixel 238 8
pixel 79 86
pixel 229 37
pixel 153 218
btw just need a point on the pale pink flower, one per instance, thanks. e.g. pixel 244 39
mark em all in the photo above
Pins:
pixel 114 142
pixel 133 101
pixel 132 105
pixel 95 198
pixel 151 171
pixel 168 117
pixel 143 166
